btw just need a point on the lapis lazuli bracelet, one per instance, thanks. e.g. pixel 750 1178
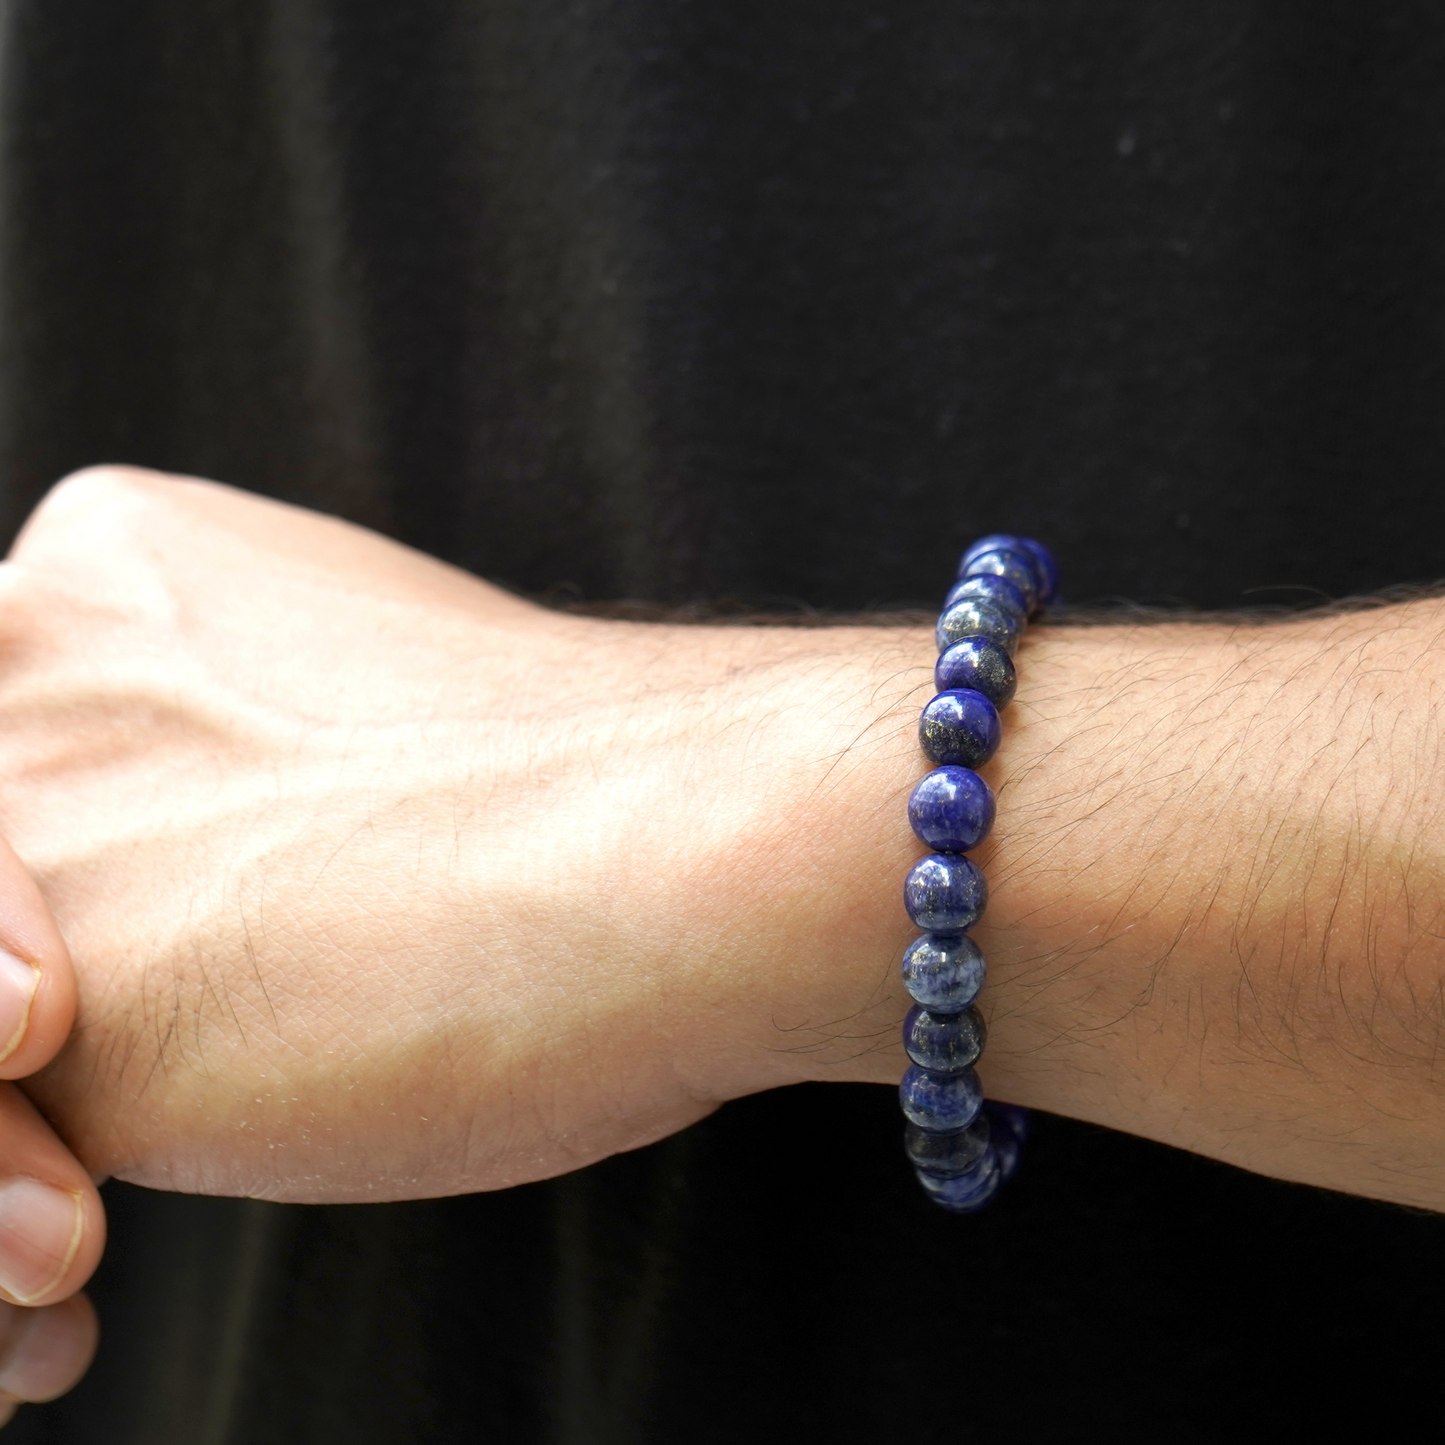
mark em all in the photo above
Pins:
pixel 961 1147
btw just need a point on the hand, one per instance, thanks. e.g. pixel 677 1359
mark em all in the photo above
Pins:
pixel 52 1228
pixel 382 883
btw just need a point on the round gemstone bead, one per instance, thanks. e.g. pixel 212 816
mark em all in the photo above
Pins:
pixel 964 1193
pixel 1047 568
pixel 940 1103
pixel 986 587
pixel 974 618
pixel 993 542
pixel 943 973
pixel 1013 566
pixel 952 1153
pixel 978 664
pixel 944 1043
pixel 952 810
pixel 945 893
pixel 960 727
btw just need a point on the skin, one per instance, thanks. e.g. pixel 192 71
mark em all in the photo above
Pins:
pixel 47 1338
pixel 381 883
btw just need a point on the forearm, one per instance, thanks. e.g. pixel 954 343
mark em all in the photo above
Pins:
pixel 1216 909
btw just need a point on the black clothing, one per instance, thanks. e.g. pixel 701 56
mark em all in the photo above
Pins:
pixel 671 300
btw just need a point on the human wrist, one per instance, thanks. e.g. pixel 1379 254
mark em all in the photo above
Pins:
pixel 1197 933
pixel 787 904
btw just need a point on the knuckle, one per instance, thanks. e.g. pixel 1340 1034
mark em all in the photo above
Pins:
pixel 98 506
pixel 105 486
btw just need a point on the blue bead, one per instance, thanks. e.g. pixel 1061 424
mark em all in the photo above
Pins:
pixel 978 664
pixel 965 1193
pixel 974 618
pixel 942 973
pixel 1010 1127
pixel 951 810
pixel 945 893
pixel 987 588
pixel 944 1043
pixel 994 542
pixel 1048 569
pixel 960 727
pixel 1013 566
pixel 952 1153
pixel 1045 569
pixel 940 1103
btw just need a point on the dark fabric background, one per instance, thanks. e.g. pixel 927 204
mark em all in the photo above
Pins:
pixel 680 299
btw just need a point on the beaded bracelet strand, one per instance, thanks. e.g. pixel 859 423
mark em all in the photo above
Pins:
pixel 962 1148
